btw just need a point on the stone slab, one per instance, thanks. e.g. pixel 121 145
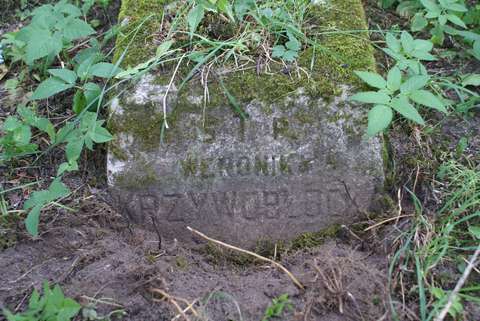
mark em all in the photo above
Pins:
pixel 299 163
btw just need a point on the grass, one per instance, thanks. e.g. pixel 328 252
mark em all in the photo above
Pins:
pixel 434 252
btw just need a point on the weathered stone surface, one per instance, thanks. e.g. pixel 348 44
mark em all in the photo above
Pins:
pixel 299 163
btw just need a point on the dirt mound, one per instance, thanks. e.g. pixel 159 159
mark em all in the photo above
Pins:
pixel 106 266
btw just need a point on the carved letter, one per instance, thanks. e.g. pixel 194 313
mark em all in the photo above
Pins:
pixel 189 167
pixel 261 165
pixel 225 166
pixel 243 166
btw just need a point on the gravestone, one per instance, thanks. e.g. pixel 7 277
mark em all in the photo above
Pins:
pixel 295 160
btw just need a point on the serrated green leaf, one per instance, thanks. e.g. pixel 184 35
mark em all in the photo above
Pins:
pixel 418 22
pixel 75 28
pixel 372 79
pixel 11 123
pixel 422 45
pixel 407 41
pixel 393 43
pixel 66 75
pixel 431 5
pixel 22 135
pixel 371 97
pixel 414 83
pixel 379 118
pixel 50 87
pixel 426 98
pixel 402 106
pixel 394 79
pixel 74 148
pixel 79 102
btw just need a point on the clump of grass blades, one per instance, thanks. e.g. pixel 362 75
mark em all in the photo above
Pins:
pixel 435 250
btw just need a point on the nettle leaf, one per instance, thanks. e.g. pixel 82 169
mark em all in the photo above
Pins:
pixel 195 17
pixel 422 45
pixel 419 22
pixel 426 98
pixel 379 118
pixel 394 79
pixel 371 97
pixel 407 41
pixel 393 43
pixel 372 79
pixel 83 69
pixel 76 28
pixel 66 75
pixel 402 106
pixel 414 83
pixel 11 123
pixel 41 43
pixel 454 6
pixel 431 6
pixel 22 135
pixel 74 148
pixel 104 70
pixel 50 87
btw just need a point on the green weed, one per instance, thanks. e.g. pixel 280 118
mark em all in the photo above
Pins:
pixel 277 308
pixel 52 305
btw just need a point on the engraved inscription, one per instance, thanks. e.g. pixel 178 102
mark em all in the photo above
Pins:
pixel 246 205
pixel 258 165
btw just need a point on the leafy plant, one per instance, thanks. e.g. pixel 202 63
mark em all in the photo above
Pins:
pixel 409 52
pixel 278 307
pixel 52 29
pixel 440 14
pixel 52 306
pixel 16 140
pixel 400 93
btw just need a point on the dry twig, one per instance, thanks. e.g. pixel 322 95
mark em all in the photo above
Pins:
pixel 173 300
pixel 458 287
pixel 278 265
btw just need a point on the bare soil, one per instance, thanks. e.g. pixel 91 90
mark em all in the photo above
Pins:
pixel 104 264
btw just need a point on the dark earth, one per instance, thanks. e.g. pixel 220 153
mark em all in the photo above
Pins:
pixel 119 271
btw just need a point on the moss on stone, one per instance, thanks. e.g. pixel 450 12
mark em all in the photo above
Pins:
pixel 142 176
pixel 142 19
pixel 267 248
